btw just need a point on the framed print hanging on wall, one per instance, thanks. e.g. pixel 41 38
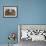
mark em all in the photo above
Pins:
pixel 10 11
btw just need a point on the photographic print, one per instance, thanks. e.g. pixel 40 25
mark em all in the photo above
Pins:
pixel 10 11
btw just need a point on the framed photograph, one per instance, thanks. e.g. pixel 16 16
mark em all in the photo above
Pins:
pixel 10 11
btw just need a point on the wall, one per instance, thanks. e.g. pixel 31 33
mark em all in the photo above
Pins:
pixel 7 25
pixel 32 11
pixel 29 12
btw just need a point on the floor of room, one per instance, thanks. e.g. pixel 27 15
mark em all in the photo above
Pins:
pixel 32 43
